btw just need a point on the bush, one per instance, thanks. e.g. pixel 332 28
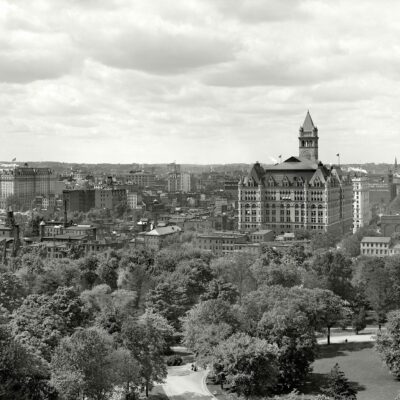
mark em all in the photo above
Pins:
pixel 173 361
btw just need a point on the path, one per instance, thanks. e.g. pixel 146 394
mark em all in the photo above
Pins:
pixel 351 338
pixel 184 384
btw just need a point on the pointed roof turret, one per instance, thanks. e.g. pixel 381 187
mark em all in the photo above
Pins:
pixel 308 125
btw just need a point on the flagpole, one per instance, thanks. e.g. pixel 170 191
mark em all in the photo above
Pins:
pixel 338 156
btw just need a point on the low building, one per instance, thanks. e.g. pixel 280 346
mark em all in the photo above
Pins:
pixel 156 238
pixel 52 230
pixel 221 243
pixel 375 246
pixel 262 236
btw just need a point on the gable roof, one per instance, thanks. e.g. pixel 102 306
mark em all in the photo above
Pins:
pixel 308 124
pixel 294 163
pixel 163 230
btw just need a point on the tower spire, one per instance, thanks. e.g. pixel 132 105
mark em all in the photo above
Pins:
pixel 308 139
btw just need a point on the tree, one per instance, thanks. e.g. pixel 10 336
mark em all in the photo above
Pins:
pixel 88 268
pixel 84 365
pixel 248 364
pixel 134 274
pixel 206 325
pixel 289 329
pixel 171 300
pixel 12 291
pixel 41 321
pixel 338 387
pixel 286 274
pixel 388 343
pixel 323 241
pixel 236 270
pixel 329 309
pixel 218 289
pixel 146 339
pixel 22 374
pixel 333 272
pixel 376 282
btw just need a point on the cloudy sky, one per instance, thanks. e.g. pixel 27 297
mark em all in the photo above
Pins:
pixel 198 81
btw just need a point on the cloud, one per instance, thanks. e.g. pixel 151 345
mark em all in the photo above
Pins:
pixel 197 80
pixel 159 50
pixel 255 11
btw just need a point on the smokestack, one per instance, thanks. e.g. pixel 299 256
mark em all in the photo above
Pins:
pixel 65 214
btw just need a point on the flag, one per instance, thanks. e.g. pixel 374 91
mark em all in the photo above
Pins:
pixel 14 159
pixel 337 155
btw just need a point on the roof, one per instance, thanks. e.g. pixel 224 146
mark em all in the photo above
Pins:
pixel 261 232
pixel 294 163
pixel 164 230
pixel 308 124
pixel 375 239
pixel 80 227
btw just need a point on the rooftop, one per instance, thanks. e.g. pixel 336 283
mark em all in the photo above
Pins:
pixel 164 230
pixel 376 239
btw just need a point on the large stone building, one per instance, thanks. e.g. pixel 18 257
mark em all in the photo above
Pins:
pixel 298 194
pixel 25 183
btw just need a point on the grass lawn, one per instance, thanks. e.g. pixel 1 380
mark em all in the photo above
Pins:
pixel 359 361
pixel 362 366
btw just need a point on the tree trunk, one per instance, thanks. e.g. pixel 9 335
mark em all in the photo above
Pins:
pixel 147 388
pixel 328 337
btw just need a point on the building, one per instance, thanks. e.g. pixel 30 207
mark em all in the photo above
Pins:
pixel 25 183
pixel 299 193
pixel 156 238
pixel 375 246
pixel 109 198
pixel 81 200
pixel 382 189
pixel 220 243
pixel 390 224
pixel 361 208
pixel 142 179
pixel 133 200
pixel 179 182
pixel 261 236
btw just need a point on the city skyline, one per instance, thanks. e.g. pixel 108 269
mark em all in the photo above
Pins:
pixel 199 82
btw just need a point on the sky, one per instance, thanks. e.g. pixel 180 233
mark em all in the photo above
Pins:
pixel 198 81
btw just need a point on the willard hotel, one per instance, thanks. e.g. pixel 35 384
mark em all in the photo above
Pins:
pixel 299 193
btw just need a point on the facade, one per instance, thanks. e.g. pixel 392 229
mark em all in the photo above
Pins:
pixel 133 200
pixel 142 179
pixel 299 193
pixel 109 198
pixel 25 184
pixel 179 182
pixel 79 199
pixel 375 246
pixel 220 243
pixel 382 189
pixel 361 209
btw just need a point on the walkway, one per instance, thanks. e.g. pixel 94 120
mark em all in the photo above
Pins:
pixel 184 384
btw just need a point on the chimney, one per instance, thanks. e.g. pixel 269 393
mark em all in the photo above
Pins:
pixel 65 214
